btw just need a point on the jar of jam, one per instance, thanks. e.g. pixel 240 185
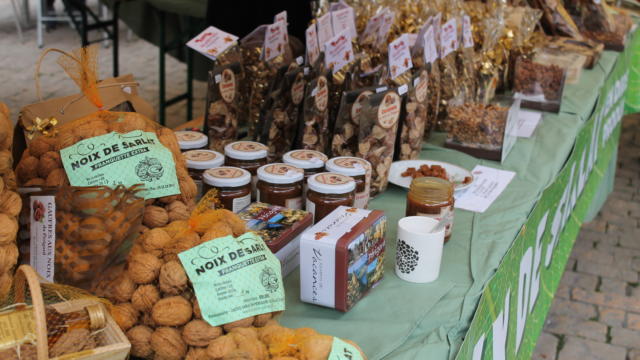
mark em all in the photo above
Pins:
pixel 280 184
pixel 327 191
pixel 233 185
pixel 432 197
pixel 360 170
pixel 198 161
pixel 248 155
pixel 191 140
pixel 311 161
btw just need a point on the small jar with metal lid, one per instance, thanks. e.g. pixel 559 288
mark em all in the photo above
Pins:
pixel 233 185
pixel 280 184
pixel 191 140
pixel 327 191
pixel 248 155
pixel 198 161
pixel 432 197
pixel 360 170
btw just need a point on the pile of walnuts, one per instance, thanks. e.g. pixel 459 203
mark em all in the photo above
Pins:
pixel 154 301
pixel 10 204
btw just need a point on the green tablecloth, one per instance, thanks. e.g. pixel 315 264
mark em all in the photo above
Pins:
pixel 401 320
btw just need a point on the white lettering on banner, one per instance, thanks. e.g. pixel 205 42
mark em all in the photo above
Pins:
pixel 477 350
pixel 529 281
pixel 501 329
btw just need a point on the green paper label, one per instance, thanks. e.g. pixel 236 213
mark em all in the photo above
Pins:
pixel 234 278
pixel 342 350
pixel 115 159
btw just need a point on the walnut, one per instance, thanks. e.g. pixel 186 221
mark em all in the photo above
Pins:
pixel 10 180
pixel 178 211
pixel 249 332
pixel 188 187
pixel 262 319
pixel 200 333
pixel 6 280
pixel 123 288
pixel 57 178
pixel 316 347
pixel 8 257
pixel 173 280
pixel 10 203
pixel 220 347
pixel 6 161
pixel 48 162
pixel 155 241
pixel 239 323
pixel 251 345
pixel 197 354
pixel 144 268
pixel 140 338
pixel 125 315
pixel 155 216
pixel 168 138
pixel 167 343
pixel 27 169
pixel 172 311
pixel 145 297
pixel 196 309
pixel 8 230
pixel 40 145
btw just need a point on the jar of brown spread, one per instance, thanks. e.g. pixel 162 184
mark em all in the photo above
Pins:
pixel 248 155
pixel 233 185
pixel 198 161
pixel 432 197
pixel 327 191
pixel 360 170
pixel 311 161
pixel 280 184
pixel 191 140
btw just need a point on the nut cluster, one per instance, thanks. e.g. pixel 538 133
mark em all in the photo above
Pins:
pixel 538 79
pixel 477 125
pixel 10 204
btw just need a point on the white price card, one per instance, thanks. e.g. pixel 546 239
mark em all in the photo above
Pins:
pixel 344 20
pixel 488 183
pixel 275 40
pixel 313 49
pixel 467 36
pixel 429 44
pixel 399 56
pixel 449 37
pixel 527 123
pixel 281 16
pixel 338 52
pixel 212 42
pixel 325 31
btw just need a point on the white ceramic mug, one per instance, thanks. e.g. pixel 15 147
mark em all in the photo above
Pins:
pixel 418 250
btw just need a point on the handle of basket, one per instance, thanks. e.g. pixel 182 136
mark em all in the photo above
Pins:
pixel 26 273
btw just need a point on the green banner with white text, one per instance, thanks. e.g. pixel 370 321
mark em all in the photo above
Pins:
pixel 515 302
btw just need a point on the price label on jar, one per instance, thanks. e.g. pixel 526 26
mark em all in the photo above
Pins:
pixel 234 278
pixel 115 159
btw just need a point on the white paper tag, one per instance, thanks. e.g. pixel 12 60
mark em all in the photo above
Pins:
pixel 399 56
pixel 467 36
pixel 402 89
pixel 338 51
pixel 344 20
pixel 212 42
pixel 313 49
pixel 325 31
pixel 381 89
pixel 429 43
pixel 419 43
pixel 412 37
pixel 488 183
pixel 281 16
pixel 385 26
pixel 371 30
pixel 275 40
pixel 449 37
pixel 437 27
pixel 43 235
pixel 527 123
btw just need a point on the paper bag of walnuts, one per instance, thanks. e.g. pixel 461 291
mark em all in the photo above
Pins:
pixel 10 204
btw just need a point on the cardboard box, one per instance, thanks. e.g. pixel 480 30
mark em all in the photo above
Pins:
pixel 342 257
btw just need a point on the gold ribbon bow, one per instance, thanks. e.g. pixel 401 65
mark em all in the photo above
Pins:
pixel 45 127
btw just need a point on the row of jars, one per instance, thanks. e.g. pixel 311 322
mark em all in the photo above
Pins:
pixel 306 179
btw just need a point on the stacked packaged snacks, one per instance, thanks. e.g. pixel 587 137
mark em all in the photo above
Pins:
pixel 414 122
pixel 10 204
pixel 223 105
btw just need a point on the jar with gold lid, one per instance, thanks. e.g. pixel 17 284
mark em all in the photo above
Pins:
pixel 432 197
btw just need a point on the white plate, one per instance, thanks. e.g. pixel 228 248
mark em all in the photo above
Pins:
pixel 456 173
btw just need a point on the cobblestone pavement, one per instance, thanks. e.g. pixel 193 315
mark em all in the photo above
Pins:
pixel 17 65
pixel 596 312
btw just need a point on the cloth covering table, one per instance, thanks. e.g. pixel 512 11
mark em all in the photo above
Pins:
pixel 401 320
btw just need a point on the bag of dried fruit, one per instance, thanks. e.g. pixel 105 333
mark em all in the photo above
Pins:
pixel 10 204
pixel 107 148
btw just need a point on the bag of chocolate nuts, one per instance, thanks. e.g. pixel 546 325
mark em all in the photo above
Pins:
pixel 377 135
pixel 315 120
pixel 223 105
pixel 414 118
pixel 347 125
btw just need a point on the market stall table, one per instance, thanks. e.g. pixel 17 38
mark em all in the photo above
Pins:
pixel 401 320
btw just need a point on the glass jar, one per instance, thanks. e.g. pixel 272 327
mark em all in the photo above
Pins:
pixel 191 140
pixel 311 161
pixel 197 162
pixel 280 184
pixel 327 191
pixel 233 185
pixel 432 197
pixel 360 170
pixel 248 155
